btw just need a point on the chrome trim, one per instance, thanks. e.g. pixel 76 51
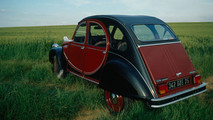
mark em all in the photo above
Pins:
pixel 91 81
pixel 177 94
pixel 98 49
pixel 77 45
pixel 158 44
pixel 161 80
pixel 55 45
pixel 84 78
pixel 178 74
pixel 82 47
pixel 158 106
pixel 192 72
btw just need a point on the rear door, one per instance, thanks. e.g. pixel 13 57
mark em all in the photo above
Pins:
pixel 96 47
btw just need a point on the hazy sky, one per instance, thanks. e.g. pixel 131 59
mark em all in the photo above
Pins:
pixel 67 12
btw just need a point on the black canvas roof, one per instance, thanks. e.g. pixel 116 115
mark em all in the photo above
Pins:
pixel 130 19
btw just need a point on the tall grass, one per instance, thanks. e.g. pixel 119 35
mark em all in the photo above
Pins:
pixel 22 101
pixel 29 90
pixel 32 43
pixel 197 38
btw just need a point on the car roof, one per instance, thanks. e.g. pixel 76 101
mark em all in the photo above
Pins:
pixel 129 19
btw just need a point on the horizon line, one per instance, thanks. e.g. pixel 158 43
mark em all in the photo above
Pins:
pixel 77 24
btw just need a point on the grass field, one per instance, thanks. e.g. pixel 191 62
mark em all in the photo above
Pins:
pixel 29 90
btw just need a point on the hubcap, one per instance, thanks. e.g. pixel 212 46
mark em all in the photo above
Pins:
pixel 114 101
pixel 114 98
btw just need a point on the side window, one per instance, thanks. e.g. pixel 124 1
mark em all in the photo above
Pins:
pixel 163 32
pixel 118 40
pixel 97 36
pixel 80 33
pixel 143 32
pixel 152 32
pixel 118 34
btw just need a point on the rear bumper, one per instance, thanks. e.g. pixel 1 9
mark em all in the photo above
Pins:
pixel 160 102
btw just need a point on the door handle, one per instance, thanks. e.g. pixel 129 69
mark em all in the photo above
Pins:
pixel 104 52
pixel 82 47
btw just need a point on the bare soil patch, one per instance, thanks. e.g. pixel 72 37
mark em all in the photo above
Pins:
pixel 209 82
pixel 208 95
pixel 86 114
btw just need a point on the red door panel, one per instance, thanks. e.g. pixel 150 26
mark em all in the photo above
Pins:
pixel 165 61
pixel 74 51
pixel 76 56
pixel 88 56
pixel 94 58
pixel 96 47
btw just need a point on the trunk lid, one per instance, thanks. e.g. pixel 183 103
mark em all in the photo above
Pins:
pixel 166 62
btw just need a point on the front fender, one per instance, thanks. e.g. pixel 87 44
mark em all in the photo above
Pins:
pixel 122 78
pixel 56 51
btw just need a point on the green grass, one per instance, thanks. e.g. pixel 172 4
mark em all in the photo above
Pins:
pixel 29 90
pixel 197 38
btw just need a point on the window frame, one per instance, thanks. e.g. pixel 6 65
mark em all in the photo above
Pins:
pixel 88 40
pixel 76 32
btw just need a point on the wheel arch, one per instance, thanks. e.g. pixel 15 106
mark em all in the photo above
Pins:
pixel 122 78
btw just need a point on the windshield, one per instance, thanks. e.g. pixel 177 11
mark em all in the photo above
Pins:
pixel 152 32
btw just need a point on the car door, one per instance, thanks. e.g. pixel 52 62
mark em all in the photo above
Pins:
pixel 96 48
pixel 75 51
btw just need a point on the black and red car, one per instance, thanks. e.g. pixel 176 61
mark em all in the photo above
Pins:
pixel 137 57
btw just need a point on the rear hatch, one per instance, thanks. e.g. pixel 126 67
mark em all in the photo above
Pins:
pixel 167 62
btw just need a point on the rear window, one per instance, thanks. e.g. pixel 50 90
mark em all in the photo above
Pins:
pixel 152 32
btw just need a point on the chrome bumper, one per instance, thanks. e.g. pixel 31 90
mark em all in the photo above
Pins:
pixel 160 102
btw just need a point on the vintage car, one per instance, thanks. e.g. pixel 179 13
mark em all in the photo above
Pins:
pixel 130 57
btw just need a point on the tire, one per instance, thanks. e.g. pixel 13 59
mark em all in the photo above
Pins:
pixel 57 69
pixel 116 103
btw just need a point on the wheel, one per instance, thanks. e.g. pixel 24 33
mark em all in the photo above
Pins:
pixel 57 69
pixel 115 103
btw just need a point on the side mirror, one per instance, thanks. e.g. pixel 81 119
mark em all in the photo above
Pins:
pixel 66 39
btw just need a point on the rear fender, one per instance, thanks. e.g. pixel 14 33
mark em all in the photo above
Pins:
pixel 122 78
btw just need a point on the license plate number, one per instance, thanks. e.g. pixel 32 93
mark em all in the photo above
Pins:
pixel 178 83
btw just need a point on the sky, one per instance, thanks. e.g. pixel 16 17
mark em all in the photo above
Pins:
pixel 68 12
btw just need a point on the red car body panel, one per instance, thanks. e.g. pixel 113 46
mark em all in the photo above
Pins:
pixel 94 58
pixel 75 55
pixel 167 61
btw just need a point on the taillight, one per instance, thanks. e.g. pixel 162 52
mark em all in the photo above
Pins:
pixel 197 79
pixel 163 88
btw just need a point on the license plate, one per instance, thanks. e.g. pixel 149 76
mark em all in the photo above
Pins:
pixel 178 83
